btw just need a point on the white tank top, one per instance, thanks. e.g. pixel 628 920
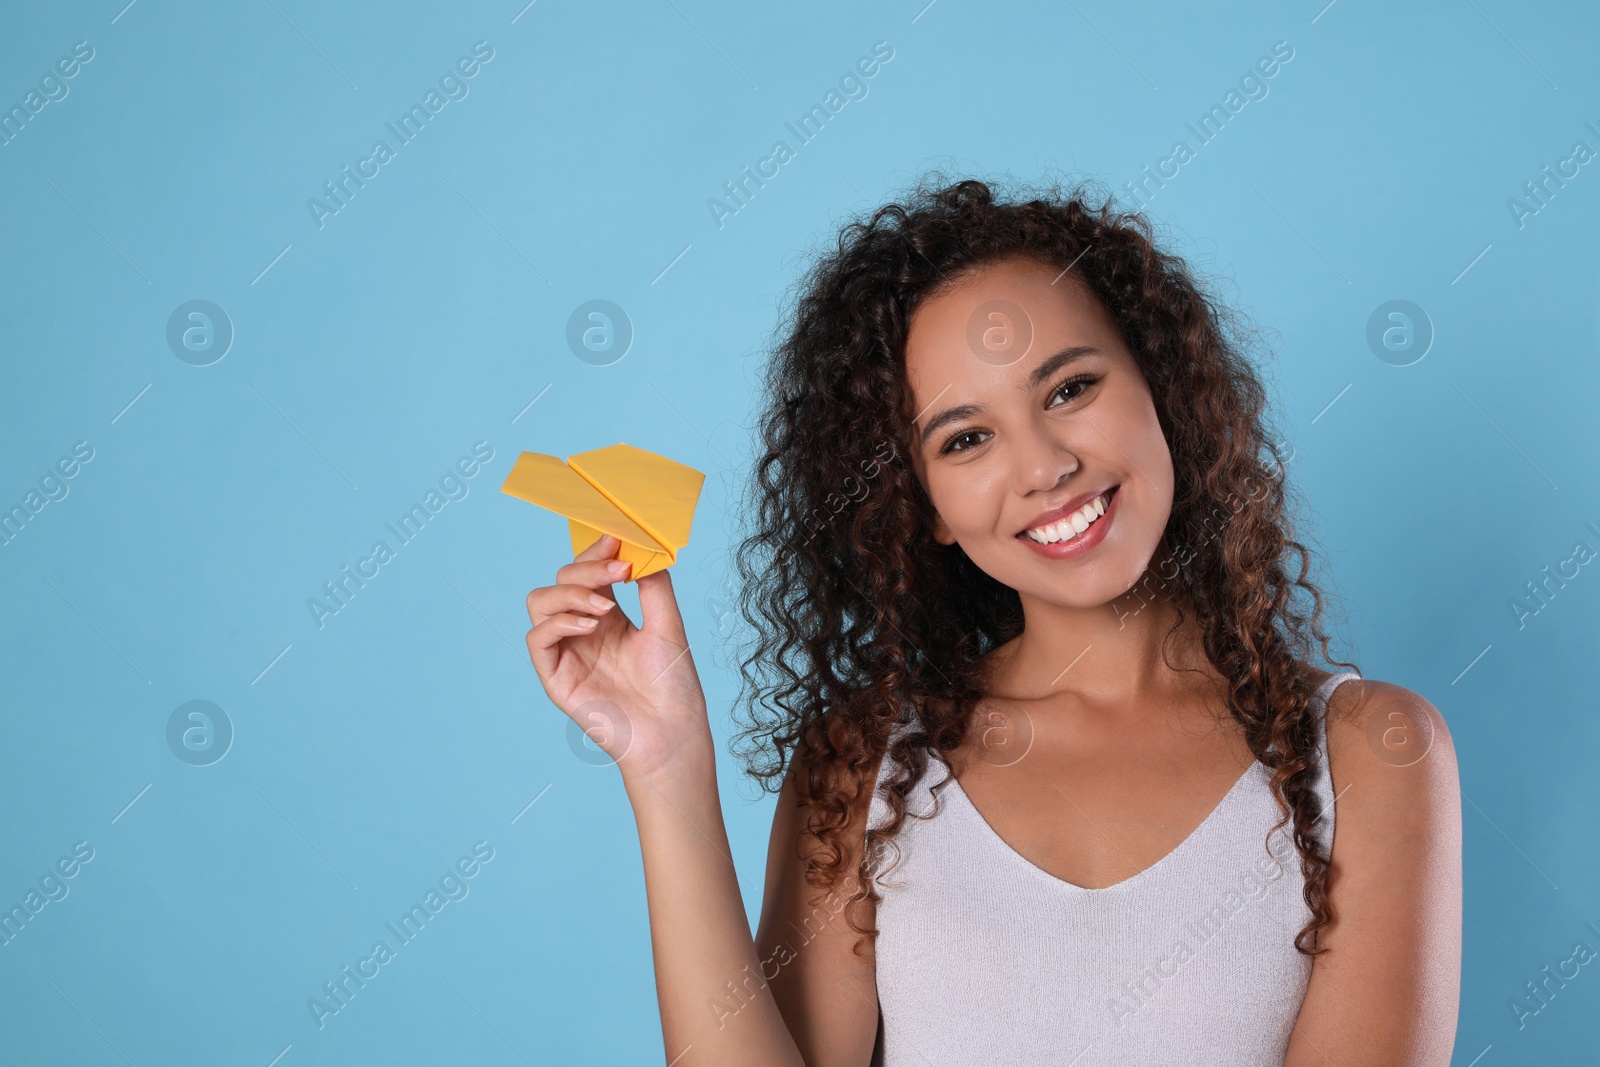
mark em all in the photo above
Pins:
pixel 984 958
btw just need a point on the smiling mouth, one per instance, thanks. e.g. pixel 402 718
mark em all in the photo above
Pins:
pixel 1074 525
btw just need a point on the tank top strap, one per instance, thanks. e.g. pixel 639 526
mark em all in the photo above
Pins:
pixel 878 807
pixel 1320 699
pixel 1324 692
pixel 1323 784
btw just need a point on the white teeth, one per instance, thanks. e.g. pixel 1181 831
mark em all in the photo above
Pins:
pixel 1071 526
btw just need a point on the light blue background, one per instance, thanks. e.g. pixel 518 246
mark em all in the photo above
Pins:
pixel 426 315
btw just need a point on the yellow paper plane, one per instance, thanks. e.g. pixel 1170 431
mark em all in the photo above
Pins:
pixel 646 501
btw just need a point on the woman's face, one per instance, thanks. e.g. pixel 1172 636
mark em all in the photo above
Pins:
pixel 1029 406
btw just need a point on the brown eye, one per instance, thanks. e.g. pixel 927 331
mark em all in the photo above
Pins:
pixel 950 445
pixel 1083 380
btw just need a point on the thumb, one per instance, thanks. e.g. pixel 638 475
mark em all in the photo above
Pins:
pixel 658 606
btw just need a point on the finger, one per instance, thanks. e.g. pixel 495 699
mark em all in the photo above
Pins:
pixel 604 547
pixel 658 607
pixel 553 599
pixel 596 574
pixel 543 639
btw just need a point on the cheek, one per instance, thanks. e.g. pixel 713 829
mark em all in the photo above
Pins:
pixel 968 499
pixel 1151 454
pixel 1147 495
pixel 1159 470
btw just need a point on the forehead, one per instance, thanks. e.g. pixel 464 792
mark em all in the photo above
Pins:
pixel 997 321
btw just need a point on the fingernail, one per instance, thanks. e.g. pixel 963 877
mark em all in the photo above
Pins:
pixel 619 566
pixel 600 603
pixel 586 621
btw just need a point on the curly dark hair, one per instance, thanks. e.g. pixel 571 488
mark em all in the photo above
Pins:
pixel 860 614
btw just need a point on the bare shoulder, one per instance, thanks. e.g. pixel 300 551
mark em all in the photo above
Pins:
pixel 1391 978
pixel 1395 780
pixel 1394 726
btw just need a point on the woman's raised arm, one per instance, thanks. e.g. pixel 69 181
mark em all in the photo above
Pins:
pixel 636 692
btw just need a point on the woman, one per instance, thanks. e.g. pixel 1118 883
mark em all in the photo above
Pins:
pixel 1057 777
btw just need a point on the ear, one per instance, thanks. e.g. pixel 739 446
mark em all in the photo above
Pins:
pixel 941 532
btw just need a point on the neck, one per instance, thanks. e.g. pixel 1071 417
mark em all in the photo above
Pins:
pixel 1118 654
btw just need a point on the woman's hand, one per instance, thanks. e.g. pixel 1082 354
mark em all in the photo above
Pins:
pixel 633 690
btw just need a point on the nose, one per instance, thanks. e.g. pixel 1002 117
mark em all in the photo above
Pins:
pixel 1040 463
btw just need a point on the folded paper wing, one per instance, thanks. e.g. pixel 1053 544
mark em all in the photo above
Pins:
pixel 645 500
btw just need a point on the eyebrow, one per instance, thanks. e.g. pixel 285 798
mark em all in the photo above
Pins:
pixel 1039 374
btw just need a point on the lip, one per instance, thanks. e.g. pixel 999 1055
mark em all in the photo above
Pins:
pixel 1082 543
pixel 1056 514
